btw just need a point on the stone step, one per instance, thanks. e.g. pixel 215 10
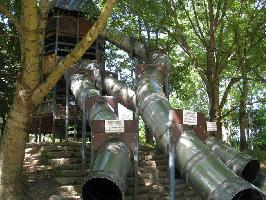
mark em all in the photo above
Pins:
pixel 62 148
pixel 150 196
pixel 72 173
pixel 70 166
pixel 69 189
pixel 60 161
pixel 141 190
pixel 65 197
pixel 162 194
pixel 69 143
pixel 148 182
pixel 179 183
pixel 144 163
pixel 153 175
pixel 70 180
pixel 151 169
pixel 65 154
pixel 153 156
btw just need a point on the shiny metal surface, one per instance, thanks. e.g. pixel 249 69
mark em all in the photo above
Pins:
pixel 261 183
pixel 112 161
pixel 242 164
pixel 197 165
pixel 101 111
pixel 126 96
pixel 127 43
pixel 206 174
pixel 81 87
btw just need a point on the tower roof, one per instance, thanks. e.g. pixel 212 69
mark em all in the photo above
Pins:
pixel 73 5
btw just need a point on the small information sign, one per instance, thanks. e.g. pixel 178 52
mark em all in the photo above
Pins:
pixel 114 126
pixel 190 117
pixel 211 126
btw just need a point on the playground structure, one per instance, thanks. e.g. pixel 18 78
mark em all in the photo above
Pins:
pixel 79 101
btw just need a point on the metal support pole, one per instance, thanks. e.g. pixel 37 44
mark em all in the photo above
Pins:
pixel 67 108
pixel 54 110
pixel 166 86
pixel 76 121
pixel 54 91
pixel 171 161
pixel 136 159
pixel 84 121
pixel 136 153
pixel 40 127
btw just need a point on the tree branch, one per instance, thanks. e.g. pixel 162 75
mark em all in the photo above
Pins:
pixel 12 18
pixel 200 34
pixel 227 90
pixel 197 22
pixel 184 45
pixel 31 72
pixel 235 107
pixel 217 13
pixel 74 55
pixel 45 6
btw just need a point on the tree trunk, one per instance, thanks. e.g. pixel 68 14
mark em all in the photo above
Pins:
pixel 29 93
pixel 228 140
pixel 242 109
pixel 214 110
pixel 13 145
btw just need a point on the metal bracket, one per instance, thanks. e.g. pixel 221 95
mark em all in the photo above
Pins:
pixel 129 136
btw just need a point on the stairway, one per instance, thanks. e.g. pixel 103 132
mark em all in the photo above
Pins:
pixel 54 172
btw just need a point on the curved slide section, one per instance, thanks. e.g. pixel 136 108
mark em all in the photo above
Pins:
pixel 112 161
pixel 199 167
pixel 242 164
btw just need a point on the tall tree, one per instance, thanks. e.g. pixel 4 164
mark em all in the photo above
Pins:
pixel 247 43
pixel 29 93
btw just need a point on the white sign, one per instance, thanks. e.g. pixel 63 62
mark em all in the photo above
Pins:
pixel 190 117
pixel 211 126
pixel 114 126
pixel 1 120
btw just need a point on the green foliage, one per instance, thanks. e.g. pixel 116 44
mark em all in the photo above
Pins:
pixel 259 154
pixel 259 127
pixel 9 64
pixel 142 138
pixel 166 24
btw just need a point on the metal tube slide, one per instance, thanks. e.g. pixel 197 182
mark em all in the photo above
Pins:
pixel 125 95
pixel 198 166
pixel 242 164
pixel 108 176
pixel 208 175
pixel 126 43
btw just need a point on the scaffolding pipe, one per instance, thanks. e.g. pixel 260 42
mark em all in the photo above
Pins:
pixel 108 176
pixel 242 164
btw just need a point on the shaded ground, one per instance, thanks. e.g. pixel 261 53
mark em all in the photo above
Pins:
pixel 38 179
